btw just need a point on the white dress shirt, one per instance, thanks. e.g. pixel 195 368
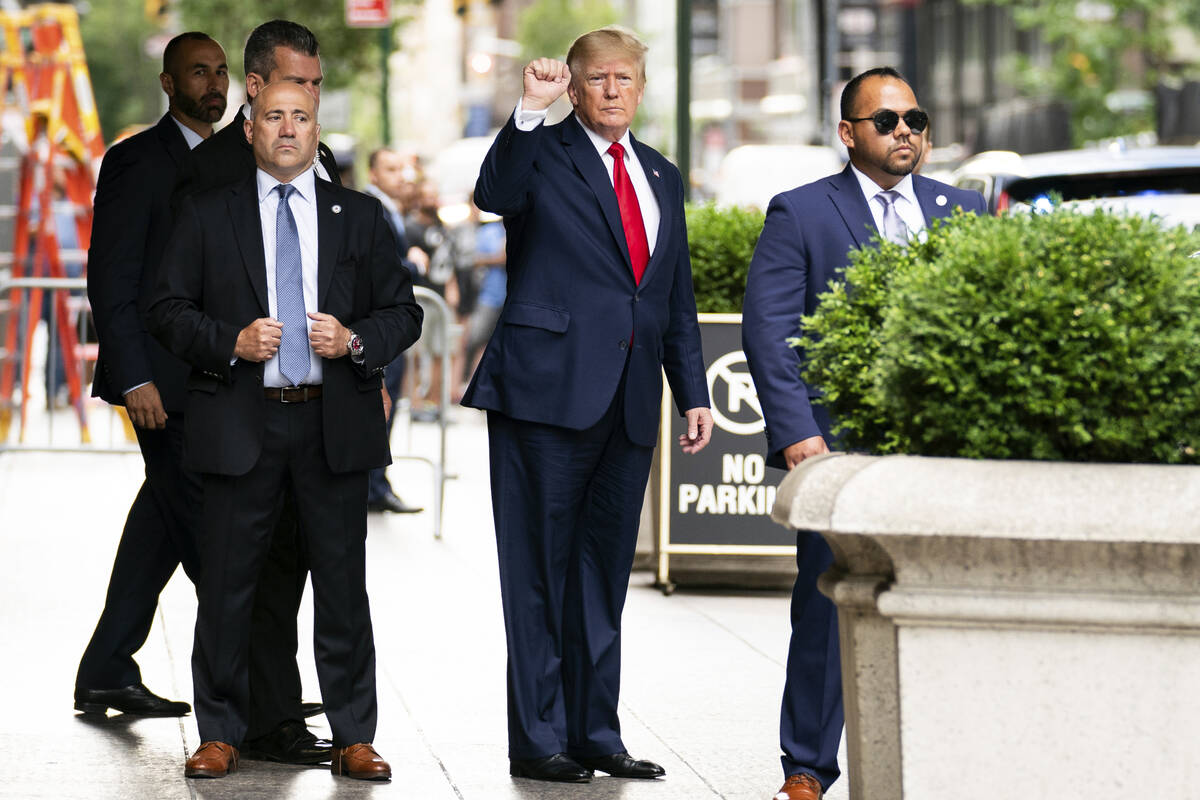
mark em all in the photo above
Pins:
pixel 907 207
pixel 528 120
pixel 190 136
pixel 303 203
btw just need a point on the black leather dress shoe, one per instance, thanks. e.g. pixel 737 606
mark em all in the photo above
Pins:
pixel 623 765
pixel 290 743
pixel 392 503
pixel 134 699
pixel 312 709
pixel 558 767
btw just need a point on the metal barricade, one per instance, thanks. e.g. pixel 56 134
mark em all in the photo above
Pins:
pixel 17 310
pixel 437 322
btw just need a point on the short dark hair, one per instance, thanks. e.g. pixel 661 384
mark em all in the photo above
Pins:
pixel 259 56
pixel 850 93
pixel 374 157
pixel 171 51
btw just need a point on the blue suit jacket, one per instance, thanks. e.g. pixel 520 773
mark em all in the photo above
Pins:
pixel 805 244
pixel 561 343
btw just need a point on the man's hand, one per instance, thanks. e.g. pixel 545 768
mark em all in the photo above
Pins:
pixel 805 448
pixel 387 402
pixel 328 337
pixel 545 82
pixel 145 408
pixel 420 258
pixel 700 425
pixel 259 340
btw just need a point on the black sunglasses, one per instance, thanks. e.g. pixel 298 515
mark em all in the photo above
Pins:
pixel 887 120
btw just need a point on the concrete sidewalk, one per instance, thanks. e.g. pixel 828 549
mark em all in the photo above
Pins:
pixel 702 673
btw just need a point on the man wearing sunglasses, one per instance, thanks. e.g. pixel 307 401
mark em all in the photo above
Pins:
pixel 805 244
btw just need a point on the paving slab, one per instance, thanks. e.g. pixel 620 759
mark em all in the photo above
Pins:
pixel 702 676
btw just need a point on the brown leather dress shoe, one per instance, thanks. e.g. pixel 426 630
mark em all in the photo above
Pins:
pixel 360 761
pixel 800 787
pixel 212 760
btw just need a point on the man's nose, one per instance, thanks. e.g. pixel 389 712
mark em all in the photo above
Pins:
pixel 610 87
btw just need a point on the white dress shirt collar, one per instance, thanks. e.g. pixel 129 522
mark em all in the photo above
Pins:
pixel 190 136
pixel 305 183
pixel 907 207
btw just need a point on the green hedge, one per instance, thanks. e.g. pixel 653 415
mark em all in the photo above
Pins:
pixel 721 242
pixel 1051 336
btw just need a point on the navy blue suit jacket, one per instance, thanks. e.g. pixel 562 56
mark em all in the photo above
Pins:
pixel 804 245
pixel 561 343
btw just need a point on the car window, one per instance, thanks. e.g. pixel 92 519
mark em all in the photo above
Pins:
pixel 1123 184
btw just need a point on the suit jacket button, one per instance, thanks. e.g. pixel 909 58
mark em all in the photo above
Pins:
pixel 623 344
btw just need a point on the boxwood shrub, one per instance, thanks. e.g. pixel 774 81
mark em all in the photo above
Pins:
pixel 721 242
pixel 1062 336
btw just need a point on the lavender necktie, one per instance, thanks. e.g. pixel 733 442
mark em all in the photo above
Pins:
pixel 289 292
pixel 894 229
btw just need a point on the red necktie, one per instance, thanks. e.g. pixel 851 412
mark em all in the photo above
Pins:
pixel 631 214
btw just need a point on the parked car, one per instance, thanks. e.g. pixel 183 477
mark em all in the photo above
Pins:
pixel 1148 179
pixel 752 174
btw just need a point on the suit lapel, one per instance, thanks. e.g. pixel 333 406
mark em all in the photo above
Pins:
pixel 247 229
pixel 648 157
pixel 846 195
pixel 932 200
pixel 329 235
pixel 591 167
pixel 172 139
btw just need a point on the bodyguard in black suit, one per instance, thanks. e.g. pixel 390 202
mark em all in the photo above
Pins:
pixel 599 305
pixel 286 296
pixel 130 229
pixel 278 50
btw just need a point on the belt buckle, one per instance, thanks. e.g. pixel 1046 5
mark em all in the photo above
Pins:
pixel 302 389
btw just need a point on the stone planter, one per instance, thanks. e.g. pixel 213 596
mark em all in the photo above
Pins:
pixel 1010 628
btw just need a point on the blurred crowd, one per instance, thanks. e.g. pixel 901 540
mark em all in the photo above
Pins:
pixel 452 249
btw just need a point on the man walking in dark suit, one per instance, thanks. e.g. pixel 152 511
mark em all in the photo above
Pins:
pixel 258 278
pixel 278 50
pixel 805 244
pixel 132 222
pixel 599 303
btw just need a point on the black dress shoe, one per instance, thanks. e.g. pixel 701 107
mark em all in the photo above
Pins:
pixel 389 502
pixel 623 765
pixel 558 767
pixel 290 743
pixel 312 709
pixel 134 699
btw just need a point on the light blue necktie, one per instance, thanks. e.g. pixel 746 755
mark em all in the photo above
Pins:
pixel 894 229
pixel 289 292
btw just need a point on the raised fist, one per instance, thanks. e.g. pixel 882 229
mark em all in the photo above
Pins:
pixel 545 82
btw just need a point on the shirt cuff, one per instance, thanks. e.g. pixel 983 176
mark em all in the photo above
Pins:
pixel 528 120
pixel 140 385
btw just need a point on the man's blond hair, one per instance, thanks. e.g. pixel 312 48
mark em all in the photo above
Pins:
pixel 611 41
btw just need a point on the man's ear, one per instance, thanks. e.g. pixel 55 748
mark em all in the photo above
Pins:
pixel 846 134
pixel 254 84
pixel 571 92
pixel 248 128
pixel 167 83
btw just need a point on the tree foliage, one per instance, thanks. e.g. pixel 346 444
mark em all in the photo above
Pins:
pixel 124 78
pixel 1097 48
pixel 547 27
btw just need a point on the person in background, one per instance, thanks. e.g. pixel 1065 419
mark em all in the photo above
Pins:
pixel 386 171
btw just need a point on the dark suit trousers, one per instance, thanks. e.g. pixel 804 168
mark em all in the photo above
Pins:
pixel 567 505
pixel 810 723
pixel 393 380
pixel 159 534
pixel 239 515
